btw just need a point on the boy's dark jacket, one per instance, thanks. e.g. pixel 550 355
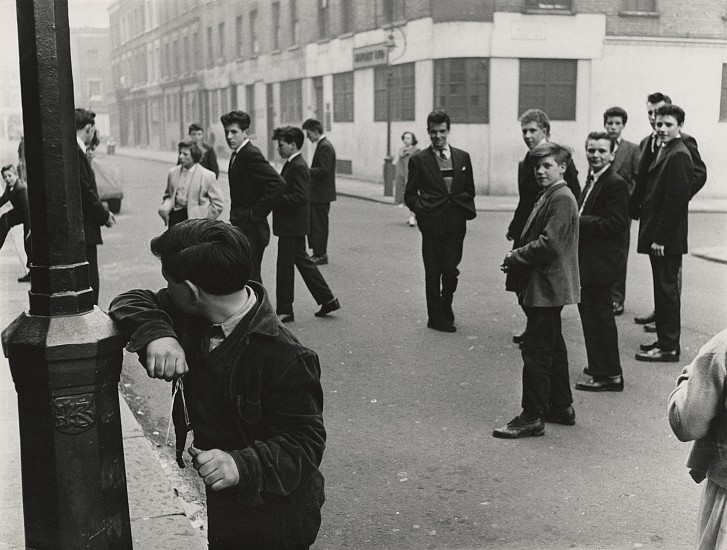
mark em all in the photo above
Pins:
pixel 274 387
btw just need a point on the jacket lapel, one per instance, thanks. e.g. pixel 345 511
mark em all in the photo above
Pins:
pixel 597 186
pixel 433 166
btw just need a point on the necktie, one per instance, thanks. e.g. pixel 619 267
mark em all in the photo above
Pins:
pixel 215 335
pixel 232 159
pixel 658 153
pixel 442 155
pixel 586 189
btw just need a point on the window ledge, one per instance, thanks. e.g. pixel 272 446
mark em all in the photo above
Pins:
pixel 346 35
pixel 276 52
pixel 549 11
pixel 293 47
pixel 648 14
pixel 323 40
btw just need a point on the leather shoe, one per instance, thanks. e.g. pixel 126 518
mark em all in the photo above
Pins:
pixel 606 383
pixel 650 327
pixel 441 326
pixel 286 317
pixel 587 371
pixel 565 416
pixel 658 355
pixel 517 427
pixel 646 319
pixel 618 308
pixel 320 260
pixel 649 347
pixel 328 307
pixel 25 278
pixel 518 337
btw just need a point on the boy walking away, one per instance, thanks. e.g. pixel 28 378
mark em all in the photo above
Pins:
pixel 251 390
pixel 291 223
pixel 16 193
pixel 547 267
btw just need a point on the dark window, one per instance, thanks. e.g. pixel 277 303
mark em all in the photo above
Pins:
pixel 462 88
pixel 347 16
pixel 323 19
pixel 392 10
pixel 186 57
pixel 344 166
pixel 648 6
pixel 343 97
pixel 402 92
pixel 221 38
pixel 195 44
pixel 560 5
pixel 250 105
pixel 291 102
pixel 238 35
pixel 318 96
pixel 275 16
pixel 550 85
pixel 294 22
pixel 723 99
pixel 254 43
pixel 210 49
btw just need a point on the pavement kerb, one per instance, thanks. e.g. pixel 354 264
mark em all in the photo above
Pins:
pixel 373 191
pixel 157 515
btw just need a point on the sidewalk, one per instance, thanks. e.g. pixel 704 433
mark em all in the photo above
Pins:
pixel 157 517
pixel 374 191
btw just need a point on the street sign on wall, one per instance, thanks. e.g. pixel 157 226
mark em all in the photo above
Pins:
pixel 370 56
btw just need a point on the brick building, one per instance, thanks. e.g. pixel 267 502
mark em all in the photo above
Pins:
pixel 485 61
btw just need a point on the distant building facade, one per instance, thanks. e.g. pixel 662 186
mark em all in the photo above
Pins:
pixel 485 61
pixel 92 85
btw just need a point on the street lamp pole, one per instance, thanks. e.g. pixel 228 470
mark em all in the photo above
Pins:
pixel 65 354
pixel 388 160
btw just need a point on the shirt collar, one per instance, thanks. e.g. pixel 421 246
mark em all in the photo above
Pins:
pixel 291 157
pixel 598 174
pixel 230 324
pixel 80 143
pixel 446 149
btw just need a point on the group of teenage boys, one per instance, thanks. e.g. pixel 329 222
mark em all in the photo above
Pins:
pixel 573 249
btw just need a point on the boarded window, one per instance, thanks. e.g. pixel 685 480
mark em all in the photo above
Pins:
pixel 549 85
pixel 402 92
pixel 343 97
pixel 462 88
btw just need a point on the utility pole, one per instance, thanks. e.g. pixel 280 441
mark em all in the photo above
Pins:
pixel 65 354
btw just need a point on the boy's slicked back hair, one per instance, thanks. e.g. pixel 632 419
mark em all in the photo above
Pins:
pixel 213 255
pixel 560 153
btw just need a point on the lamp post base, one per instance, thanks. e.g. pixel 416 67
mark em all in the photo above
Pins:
pixel 389 175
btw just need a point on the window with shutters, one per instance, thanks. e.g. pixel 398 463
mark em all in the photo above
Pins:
pixel 343 97
pixel 291 102
pixel 549 85
pixel 402 92
pixel 462 88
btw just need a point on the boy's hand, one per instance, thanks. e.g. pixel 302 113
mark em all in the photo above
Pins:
pixel 217 468
pixel 165 359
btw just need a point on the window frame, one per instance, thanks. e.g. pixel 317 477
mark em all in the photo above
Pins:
pixel 445 78
pixel 291 102
pixel 403 96
pixel 344 97
pixel 549 101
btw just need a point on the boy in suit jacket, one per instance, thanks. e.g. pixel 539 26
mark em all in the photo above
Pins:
pixel 625 164
pixel 548 257
pixel 192 190
pixel 208 159
pixel 603 209
pixel 95 214
pixel 661 202
pixel 323 189
pixel 291 223
pixel 440 190
pixel 255 186
pixel 16 193
pixel 649 146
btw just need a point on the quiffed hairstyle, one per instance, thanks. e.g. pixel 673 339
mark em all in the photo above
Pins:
pixel 414 140
pixel 438 117
pixel 538 117
pixel 194 127
pixel 658 97
pixel 241 118
pixel 213 255
pixel 194 149
pixel 313 125
pixel 561 154
pixel 84 117
pixel 613 112
pixel 673 110
pixel 289 134
pixel 601 135
pixel 8 168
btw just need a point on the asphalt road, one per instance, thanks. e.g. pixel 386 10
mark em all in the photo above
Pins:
pixel 410 462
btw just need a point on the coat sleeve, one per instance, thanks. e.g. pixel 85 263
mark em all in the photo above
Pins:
pixel 214 193
pixel 143 316
pixel 677 188
pixel 270 183
pixel 613 218
pixel 700 169
pixel 297 186
pixel 571 179
pixel 5 196
pixel 559 222
pixel 700 393
pixel 294 413
pixel 325 163
pixel 411 191
pixel 515 227
pixel 212 162
pixel 93 208
pixel 635 158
